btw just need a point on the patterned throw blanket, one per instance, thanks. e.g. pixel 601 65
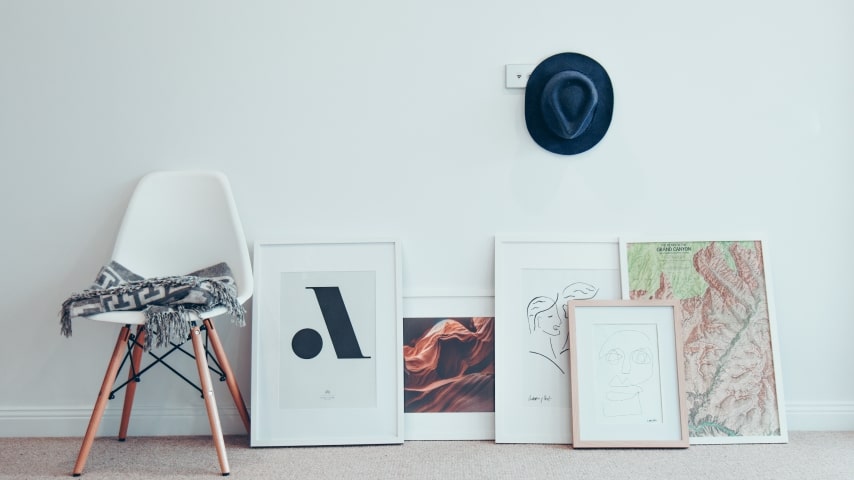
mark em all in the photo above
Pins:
pixel 165 301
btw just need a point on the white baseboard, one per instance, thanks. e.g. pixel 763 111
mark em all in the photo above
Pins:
pixel 153 421
pixel 144 421
pixel 821 416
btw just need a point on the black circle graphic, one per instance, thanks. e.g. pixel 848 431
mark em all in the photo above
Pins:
pixel 307 343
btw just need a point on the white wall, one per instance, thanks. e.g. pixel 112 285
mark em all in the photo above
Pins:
pixel 390 118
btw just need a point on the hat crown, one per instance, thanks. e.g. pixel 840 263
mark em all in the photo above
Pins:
pixel 568 103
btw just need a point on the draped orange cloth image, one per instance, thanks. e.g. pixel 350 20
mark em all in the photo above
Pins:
pixel 449 365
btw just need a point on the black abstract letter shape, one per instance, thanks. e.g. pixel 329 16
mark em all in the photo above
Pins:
pixel 338 322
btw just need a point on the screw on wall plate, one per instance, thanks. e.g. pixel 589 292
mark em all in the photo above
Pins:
pixel 516 75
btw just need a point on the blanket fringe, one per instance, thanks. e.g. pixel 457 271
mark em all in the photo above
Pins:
pixel 166 325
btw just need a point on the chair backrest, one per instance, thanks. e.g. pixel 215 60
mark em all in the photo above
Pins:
pixel 180 221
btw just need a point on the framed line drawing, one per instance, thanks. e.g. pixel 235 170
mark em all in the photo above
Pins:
pixel 732 367
pixel 326 330
pixel 627 374
pixel 535 277
pixel 449 366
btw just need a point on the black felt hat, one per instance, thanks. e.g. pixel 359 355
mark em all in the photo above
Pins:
pixel 569 101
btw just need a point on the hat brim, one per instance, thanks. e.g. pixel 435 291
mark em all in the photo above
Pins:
pixel 602 114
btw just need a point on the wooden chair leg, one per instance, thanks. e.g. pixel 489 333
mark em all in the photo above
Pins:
pixel 136 358
pixel 210 401
pixel 230 379
pixel 103 397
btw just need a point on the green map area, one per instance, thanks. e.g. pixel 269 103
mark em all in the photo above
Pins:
pixel 646 262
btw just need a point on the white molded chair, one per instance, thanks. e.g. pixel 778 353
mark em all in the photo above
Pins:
pixel 176 222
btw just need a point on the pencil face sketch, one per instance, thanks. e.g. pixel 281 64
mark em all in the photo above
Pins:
pixel 626 376
pixel 548 324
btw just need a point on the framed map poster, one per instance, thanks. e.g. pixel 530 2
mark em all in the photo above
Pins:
pixel 326 329
pixel 449 366
pixel 732 366
pixel 535 277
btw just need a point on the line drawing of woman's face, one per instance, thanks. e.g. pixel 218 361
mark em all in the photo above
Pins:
pixel 549 321
pixel 544 316
pixel 549 315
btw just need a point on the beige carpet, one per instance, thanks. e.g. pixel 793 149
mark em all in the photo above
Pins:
pixel 808 455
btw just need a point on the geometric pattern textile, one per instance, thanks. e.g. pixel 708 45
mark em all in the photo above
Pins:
pixel 165 301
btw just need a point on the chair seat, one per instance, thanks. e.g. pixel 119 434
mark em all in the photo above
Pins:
pixel 137 317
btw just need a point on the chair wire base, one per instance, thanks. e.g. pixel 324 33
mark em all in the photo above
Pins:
pixel 136 376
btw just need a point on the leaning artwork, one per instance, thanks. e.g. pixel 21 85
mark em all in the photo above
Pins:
pixel 535 278
pixel 731 363
pixel 449 365
pixel 627 374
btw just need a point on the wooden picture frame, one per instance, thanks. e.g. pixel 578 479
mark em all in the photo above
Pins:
pixel 449 365
pixel 732 365
pixel 535 275
pixel 627 374
pixel 326 333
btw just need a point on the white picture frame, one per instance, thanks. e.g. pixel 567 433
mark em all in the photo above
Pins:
pixel 326 335
pixel 627 374
pixel 725 356
pixel 532 392
pixel 433 308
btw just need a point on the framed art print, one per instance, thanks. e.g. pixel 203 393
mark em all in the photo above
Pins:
pixel 535 277
pixel 732 368
pixel 627 374
pixel 449 366
pixel 326 331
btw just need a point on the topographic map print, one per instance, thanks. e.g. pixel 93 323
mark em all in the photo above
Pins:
pixel 729 367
